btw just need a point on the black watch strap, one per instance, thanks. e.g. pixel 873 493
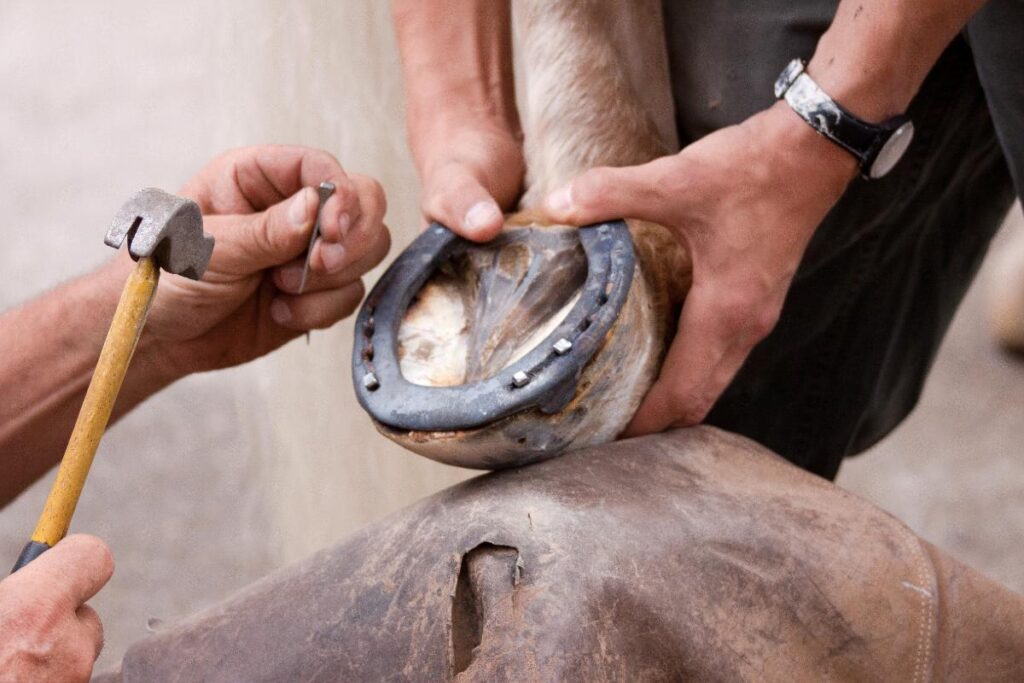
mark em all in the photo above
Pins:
pixel 877 147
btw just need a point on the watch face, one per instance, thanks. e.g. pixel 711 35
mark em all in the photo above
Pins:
pixel 892 151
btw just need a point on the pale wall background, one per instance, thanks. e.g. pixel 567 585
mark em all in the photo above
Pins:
pixel 225 476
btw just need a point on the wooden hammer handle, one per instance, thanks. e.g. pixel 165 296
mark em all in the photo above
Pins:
pixel 94 414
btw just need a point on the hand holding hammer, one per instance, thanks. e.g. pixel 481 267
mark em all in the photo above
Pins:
pixel 163 232
pixel 261 205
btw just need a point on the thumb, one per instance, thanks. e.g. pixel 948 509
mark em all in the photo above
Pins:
pixel 248 243
pixel 455 198
pixel 606 193
pixel 74 570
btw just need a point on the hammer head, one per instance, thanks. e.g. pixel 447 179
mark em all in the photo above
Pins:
pixel 166 227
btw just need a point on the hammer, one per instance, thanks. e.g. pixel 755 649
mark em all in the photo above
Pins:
pixel 163 232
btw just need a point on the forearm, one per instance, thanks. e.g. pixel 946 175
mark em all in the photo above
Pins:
pixel 456 62
pixel 49 348
pixel 876 53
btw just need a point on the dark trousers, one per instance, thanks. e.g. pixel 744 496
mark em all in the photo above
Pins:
pixel 885 272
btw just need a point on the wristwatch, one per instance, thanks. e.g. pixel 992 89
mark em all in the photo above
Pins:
pixel 876 146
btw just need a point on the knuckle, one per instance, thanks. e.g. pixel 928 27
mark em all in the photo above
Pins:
pixel 31 655
pixel 226 158
pixel 38 628
pixel 693 408
pixel 746 295
pixel 694 415
pixel 42 616
pixel 262 235
pixel 312 162
pixel 676 396
pixel 737 309
pixel 763 322
pixel 749 311
pixel 316 154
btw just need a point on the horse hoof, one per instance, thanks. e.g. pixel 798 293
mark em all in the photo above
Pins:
pixel 502 354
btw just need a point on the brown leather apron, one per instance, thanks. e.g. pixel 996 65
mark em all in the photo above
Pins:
pixel 692 555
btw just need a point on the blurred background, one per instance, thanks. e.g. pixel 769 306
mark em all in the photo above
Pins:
pixel 226 476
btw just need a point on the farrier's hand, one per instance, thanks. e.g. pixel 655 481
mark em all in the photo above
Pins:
pixel 47 632
pixel 744 201
pixel 471 171
pixel 460 111
pixel 260 205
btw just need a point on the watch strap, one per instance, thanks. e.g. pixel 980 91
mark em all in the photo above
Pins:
pixel 861 139
pixel 829 118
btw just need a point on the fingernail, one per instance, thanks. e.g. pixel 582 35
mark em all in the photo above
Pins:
pixel 333 255
pixel 480 215
pixel 298 210
pixel 280 312
pixel 560 201
pixel 343 222
pixel 291 278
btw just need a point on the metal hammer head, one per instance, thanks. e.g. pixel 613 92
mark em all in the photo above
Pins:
pixel 166 227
